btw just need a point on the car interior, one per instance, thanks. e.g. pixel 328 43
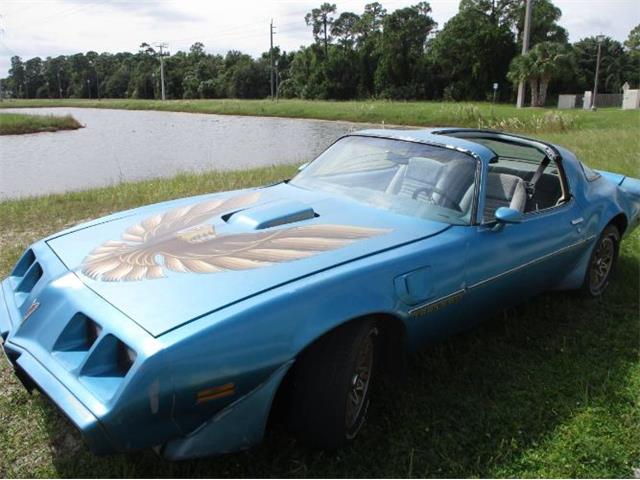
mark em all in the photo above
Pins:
pixel 522 184
pixel 521 176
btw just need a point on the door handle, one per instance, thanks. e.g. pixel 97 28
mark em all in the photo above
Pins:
pixel 577 221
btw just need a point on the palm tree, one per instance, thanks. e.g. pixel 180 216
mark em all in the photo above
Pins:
pixel 540 65
pixel 521 70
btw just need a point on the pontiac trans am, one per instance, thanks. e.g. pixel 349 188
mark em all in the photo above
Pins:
pixel 176 326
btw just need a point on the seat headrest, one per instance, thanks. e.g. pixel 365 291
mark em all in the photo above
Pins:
pixel 423 169
pixel 502 186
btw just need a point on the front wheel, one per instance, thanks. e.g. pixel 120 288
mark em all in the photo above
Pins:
pixel 602 262
pixel 332 386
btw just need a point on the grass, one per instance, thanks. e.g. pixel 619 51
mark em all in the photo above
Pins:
pixel 549 390
pixel 393 113
pixel 18 124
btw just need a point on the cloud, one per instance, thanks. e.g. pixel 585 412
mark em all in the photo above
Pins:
pixel 159 11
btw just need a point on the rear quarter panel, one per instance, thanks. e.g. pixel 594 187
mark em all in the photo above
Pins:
pixel 601 199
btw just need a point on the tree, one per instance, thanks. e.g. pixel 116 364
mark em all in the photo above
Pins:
pixel 369 29
pixel 472 52
pixel 345 29
pixel 614 64
pixel 540 65
pixel 632 49
pixel 371 20
pixel 373 53
pixel 17 82
pixel 35 86
pixel 116 86
pixel 402 50
pixel 56 73
pixel 321 19
pixel 544 21
pixel 308 74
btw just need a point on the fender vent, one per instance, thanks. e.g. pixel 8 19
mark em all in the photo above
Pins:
pixel 76 339
pixel 30 278
pixel 24 278
pixel 23 264
pixel 107 365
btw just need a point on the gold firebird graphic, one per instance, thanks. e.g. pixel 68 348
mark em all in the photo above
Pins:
pixel 180 241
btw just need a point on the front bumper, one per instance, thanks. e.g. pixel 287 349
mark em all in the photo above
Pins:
pixel 23 339
pixel 115 412
pixel 33 374
pixel 5 319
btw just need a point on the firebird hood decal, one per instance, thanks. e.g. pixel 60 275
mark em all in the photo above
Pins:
pixel 180 241
pixel 171 247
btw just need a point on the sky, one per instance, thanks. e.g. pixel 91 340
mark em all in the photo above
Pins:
pixel 44 28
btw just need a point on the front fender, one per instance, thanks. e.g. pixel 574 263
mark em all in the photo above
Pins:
pixel 245 343
pixel 238 426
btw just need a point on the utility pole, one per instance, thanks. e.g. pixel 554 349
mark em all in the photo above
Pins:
pixel 162 54
pixel 271 32
pixel 277 80
pixel 599 39
pixel 525 48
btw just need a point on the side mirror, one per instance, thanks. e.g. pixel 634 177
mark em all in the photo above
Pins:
pixel 303 166
pixel 508 215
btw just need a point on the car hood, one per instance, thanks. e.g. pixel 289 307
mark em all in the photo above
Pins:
pixel 166 264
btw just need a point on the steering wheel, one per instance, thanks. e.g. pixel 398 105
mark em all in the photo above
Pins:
pixel 450 201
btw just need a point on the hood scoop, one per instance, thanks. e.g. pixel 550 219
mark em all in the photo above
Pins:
pixel 272 214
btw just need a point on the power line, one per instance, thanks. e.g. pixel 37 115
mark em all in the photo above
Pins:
pixel 65 13
pixel 241 29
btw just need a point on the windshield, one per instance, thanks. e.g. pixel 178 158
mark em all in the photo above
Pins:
pixel 405 177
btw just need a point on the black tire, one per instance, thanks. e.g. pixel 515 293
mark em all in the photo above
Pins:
pixel 325 378
pixel 602 262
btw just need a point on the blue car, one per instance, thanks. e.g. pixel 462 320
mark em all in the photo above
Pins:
pixel 182 326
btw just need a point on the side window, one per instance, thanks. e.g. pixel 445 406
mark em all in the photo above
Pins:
pixel 521 185
pixel 548 191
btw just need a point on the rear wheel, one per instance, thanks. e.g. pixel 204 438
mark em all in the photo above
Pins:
pixel 602 262
pixel 332 385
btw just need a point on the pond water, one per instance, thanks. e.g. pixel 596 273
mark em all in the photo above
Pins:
pixel 123 145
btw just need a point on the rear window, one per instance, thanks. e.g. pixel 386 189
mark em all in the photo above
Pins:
pixel 505 149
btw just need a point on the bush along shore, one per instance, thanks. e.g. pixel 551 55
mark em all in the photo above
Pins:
pixel 18 123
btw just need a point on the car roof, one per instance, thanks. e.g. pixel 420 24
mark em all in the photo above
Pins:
pixel 442 137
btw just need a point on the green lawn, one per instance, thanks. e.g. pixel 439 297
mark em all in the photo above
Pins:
pixel 550 390
pixel 18 124
pixel 398 113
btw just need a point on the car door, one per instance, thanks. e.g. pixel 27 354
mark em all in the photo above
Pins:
pixel 507 263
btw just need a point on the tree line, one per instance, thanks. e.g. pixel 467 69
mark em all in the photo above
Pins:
pixel 373 54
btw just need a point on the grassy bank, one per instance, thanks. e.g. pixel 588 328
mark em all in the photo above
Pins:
pixel 552 390
pixel 17 124
pixel 426 114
